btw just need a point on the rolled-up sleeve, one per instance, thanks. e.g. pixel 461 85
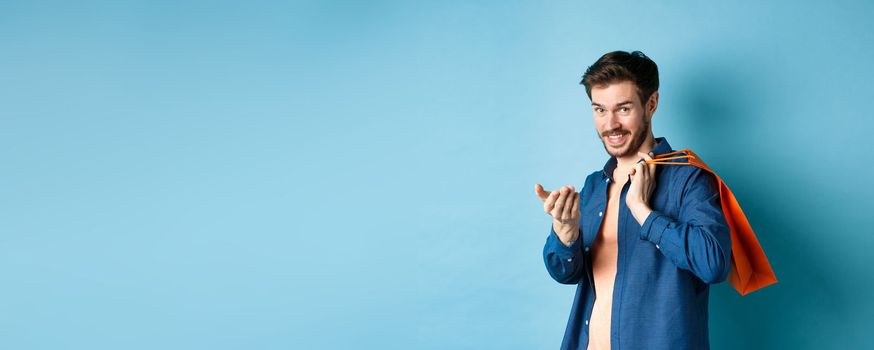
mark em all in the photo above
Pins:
pixel 565 264
pixel 698 240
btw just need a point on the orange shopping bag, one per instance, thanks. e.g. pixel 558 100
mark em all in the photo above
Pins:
pixel 750 269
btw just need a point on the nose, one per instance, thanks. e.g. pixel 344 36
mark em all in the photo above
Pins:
pixel 612 121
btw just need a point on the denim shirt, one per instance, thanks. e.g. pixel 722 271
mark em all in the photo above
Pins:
pixel 664 267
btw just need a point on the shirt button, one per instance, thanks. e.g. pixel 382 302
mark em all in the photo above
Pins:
pixel 587 322
pixel 587 249
pixel 600 213
pixel 657 246
pixel 569 259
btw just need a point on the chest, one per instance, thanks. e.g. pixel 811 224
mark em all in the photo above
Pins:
pixel 603 212
pixel 607 232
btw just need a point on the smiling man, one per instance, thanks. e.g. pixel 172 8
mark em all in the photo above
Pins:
pixel 642 243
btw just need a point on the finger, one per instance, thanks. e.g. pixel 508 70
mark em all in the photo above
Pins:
pixel 576 209
pixel 540 192
pixel 559 204
pixel 565 209
pixel 569 203
pixel 645 156
pixel 550 202
pixel 636 169
pixel 640 166
pixel 648 156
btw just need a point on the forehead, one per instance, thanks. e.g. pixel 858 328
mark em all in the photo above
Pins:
pixel 612 94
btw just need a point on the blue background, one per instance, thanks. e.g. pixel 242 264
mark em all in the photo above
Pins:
pixel 359 174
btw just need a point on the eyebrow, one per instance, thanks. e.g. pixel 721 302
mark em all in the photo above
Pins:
pixel 617 105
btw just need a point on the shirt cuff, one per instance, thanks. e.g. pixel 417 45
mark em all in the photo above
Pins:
pixel 654 226
pixel 565 251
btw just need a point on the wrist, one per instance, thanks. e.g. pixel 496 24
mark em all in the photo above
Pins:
pixel 568 240
pixel 640 212
pixel 566 233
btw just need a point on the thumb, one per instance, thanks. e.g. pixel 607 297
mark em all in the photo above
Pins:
pixel 538 190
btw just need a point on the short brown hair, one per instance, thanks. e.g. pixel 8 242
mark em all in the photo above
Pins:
pixel 619 66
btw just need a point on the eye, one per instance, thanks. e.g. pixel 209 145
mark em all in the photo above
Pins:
pixel 599 110
pixel 625 109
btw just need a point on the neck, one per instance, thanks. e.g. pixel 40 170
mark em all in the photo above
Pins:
pixel 627 162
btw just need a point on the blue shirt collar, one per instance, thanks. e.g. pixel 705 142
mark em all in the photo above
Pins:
pixel 661 147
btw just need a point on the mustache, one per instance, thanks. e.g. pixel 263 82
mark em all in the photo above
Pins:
pixel 615 131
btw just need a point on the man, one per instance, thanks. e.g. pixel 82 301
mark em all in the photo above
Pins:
pixel 641 242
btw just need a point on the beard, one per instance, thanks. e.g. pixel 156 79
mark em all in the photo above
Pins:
pixel 632 147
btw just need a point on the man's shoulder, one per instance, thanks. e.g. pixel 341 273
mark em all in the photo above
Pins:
pixel 595 176
pixel 591 181
pixel 684 176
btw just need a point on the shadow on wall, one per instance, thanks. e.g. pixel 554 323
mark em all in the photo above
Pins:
pixel 733 120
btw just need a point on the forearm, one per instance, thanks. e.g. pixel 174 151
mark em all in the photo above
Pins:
pixel 566 233
pixel 702 248
pixel 640 212
pixel 564 262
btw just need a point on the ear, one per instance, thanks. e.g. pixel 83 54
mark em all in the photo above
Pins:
pixel 652 104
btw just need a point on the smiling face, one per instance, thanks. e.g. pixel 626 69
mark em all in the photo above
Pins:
pixel 621 120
